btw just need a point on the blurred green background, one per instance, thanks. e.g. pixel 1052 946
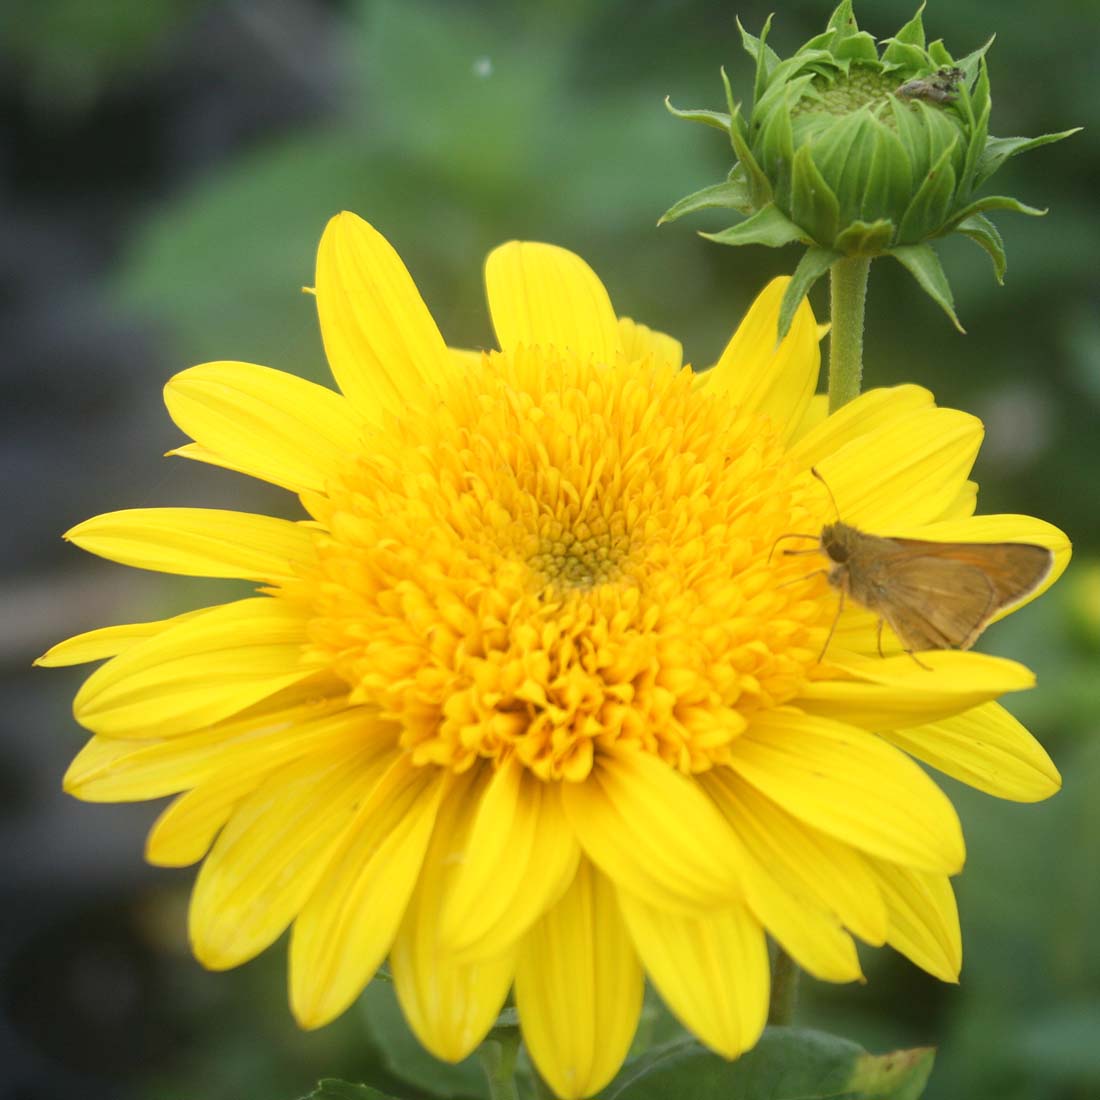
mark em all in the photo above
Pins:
pixel 166 169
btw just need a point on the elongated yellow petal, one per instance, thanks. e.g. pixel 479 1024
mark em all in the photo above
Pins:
pixel 520 857
pixel 641 343
pixel 198 542
pixel 113 770
pixel 965 504
pixel 1000 528
pixel 579 988
pixel 807 862
pixel 382 344
pixel 896 692
pixel 816 412
pixel 542 294
pixel 184 832
pixel 449 1004
pixel 107 641
pixel 655 833
pixel 760 374
pixel 264 423
pixel 272 852
pixel 907 471
pixel 867 413
pixel 198 672
pixel 711 971
pixel 924 920
pixel 852 785
pixel 345 929
pixel 987 748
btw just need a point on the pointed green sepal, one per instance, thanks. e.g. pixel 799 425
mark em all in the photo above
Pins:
pixel 813 204
pixel 768 226
pixel 984 233
pixel 843 20
pixel 814 263
pixel 937 51
pixel 993 202
pixel 911 34
pixel 766 58
pixel 716 119
pixel 932 202
pixel 866 238
pixel 998 150
pixel 921 261
pixel 731 194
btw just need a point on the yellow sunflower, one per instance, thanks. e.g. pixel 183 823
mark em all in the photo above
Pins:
pixel 528 702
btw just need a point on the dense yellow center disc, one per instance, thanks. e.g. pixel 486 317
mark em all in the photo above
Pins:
pixel 559 555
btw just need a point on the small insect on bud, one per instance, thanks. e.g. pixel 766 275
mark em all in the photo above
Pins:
pixel 941 87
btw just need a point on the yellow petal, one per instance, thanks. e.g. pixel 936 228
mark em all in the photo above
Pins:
pixel 640 343
pixel 449 1004
pixel 756 373
pixel 711 970
pixel 816 413
pixel 107 641
pixel 272 852
pixel 579 988
pixel 198 672
pixel 382 344
pixel 999 528
pixel 345 929
pixel 896 692
pixel 465 358
pixel 852 785
pixel 803 860
pixel 542 294
pixel 964 504
pixel 521 856
pixel 184 832
pixel 199 542
pixel 113 770
pixel 924 920
pixel 264 423
pixel 907 471
pixel 867 413
pixel 987 748
pixel 655 833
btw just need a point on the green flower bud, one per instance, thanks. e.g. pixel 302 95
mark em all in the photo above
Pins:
pixel 857 152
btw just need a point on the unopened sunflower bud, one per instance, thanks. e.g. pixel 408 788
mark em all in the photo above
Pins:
pixel 857 152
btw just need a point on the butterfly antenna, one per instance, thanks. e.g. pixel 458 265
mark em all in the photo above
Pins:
pixel 836 507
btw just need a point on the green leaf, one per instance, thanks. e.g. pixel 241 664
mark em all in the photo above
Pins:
pixel 911 35
pixel 757 48
pixel 729 194
pixel 329 1088
pixel 993 202
pixel 811 267
pixel 813 204
pixel 984 233
pixel 931 204
pixel 768 226
pixel 921 261
pixel 843 21
pixel 787 1064
pixel 998 150
pixel 716 119
pixel 403 1056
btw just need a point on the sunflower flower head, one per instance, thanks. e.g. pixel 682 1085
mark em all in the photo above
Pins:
pixel 857 151
pixel 529 700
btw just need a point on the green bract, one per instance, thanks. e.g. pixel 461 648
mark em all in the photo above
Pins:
pixel 856 152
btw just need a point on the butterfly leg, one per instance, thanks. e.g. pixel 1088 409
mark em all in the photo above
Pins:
pixel 832 628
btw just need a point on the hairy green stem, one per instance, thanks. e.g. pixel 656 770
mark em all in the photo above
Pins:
pixel 785 974
pixel 498 1059
pixel 848 286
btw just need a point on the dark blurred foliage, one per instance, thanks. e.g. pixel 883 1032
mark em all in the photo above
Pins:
pixel 166 169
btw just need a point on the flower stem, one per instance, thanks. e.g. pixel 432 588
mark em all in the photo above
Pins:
pixel 785 974
pixel 498 1059
pixel 848 286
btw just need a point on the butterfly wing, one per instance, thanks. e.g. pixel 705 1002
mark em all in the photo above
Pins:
pixel 1014 569
pixel 933 602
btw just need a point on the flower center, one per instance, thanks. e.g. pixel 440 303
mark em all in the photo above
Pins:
pixel 558 556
